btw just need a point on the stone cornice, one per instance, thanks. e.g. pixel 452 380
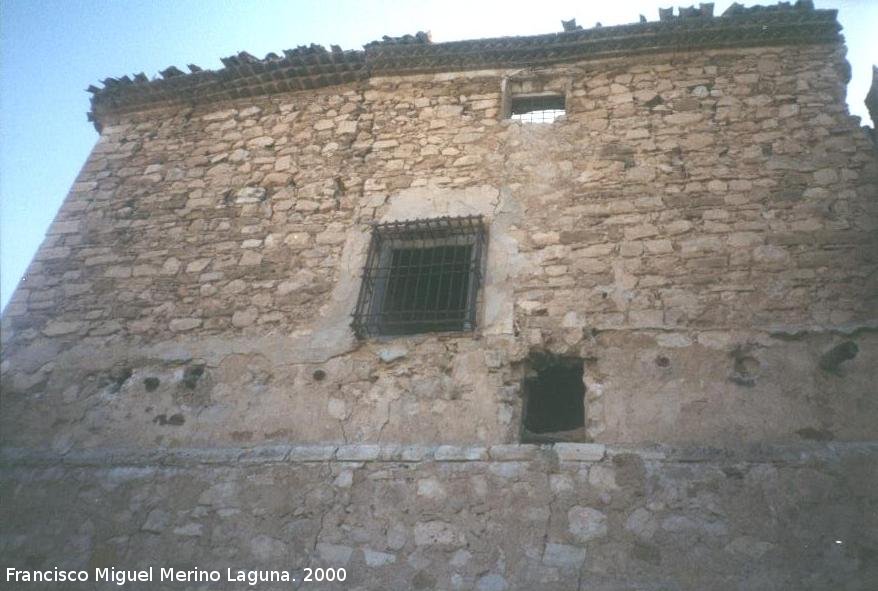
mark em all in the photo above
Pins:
pixel 777 453
pixel 307 68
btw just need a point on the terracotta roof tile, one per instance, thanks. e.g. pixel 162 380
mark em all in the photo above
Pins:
pixel 309 67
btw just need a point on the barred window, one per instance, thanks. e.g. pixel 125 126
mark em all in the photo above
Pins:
pixel 421 276
pixel 537 109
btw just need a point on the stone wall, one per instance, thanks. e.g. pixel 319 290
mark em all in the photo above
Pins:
pixel 181 386
pixel 700 228
pixel 572 516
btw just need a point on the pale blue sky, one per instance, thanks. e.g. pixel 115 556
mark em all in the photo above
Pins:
pixel 51 50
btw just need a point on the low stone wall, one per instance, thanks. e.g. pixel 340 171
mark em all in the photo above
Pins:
pixel 569 516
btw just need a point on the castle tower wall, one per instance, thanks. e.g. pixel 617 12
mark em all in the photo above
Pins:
pixel 700 228
pixel 193 372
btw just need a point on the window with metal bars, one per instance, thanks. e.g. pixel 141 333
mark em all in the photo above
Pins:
pixel 537 109
pixel 421 276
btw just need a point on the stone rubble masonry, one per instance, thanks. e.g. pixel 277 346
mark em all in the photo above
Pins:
pixel 180 382
pixel 625 518
pixel 700 227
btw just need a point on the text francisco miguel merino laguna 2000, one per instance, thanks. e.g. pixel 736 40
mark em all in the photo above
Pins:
pixel 150 574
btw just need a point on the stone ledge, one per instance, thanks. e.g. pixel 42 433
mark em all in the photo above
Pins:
pixel 580 452
pixel 268 453
pixel 395 453
pixel 513 452
pixel 358 453
pixel 457 453
pixel 311 453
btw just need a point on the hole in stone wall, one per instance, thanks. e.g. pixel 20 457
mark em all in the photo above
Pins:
pixel 832 360
pixel 191 375
pixel 654 101
pixel 117 378
pixel 174 420
pixel 554 404
pixel 746 368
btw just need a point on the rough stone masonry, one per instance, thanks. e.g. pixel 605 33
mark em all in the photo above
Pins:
pixel 697 234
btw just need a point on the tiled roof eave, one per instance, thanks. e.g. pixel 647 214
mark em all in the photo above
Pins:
pixel 423 68
pixel 315 67
pixel 401 63
pixel 771 24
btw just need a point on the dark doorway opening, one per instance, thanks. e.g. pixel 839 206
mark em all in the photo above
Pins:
pixel 554 404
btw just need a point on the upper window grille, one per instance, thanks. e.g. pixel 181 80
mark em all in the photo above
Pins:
pixel 537 109
pixel 421 276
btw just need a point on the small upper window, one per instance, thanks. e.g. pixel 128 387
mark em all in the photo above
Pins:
pixel 537 109
pixel 421 276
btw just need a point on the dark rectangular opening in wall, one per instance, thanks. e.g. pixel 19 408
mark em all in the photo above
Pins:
pixel 537 109
pixel 554 405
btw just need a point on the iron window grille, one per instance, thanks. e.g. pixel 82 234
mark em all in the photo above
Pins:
pixel 421 276
pixel 537 109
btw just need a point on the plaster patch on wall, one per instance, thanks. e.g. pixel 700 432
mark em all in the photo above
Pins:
pixel 500 211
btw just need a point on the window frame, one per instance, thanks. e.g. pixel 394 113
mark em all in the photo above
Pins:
pixel 536 97
pixel 370 315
